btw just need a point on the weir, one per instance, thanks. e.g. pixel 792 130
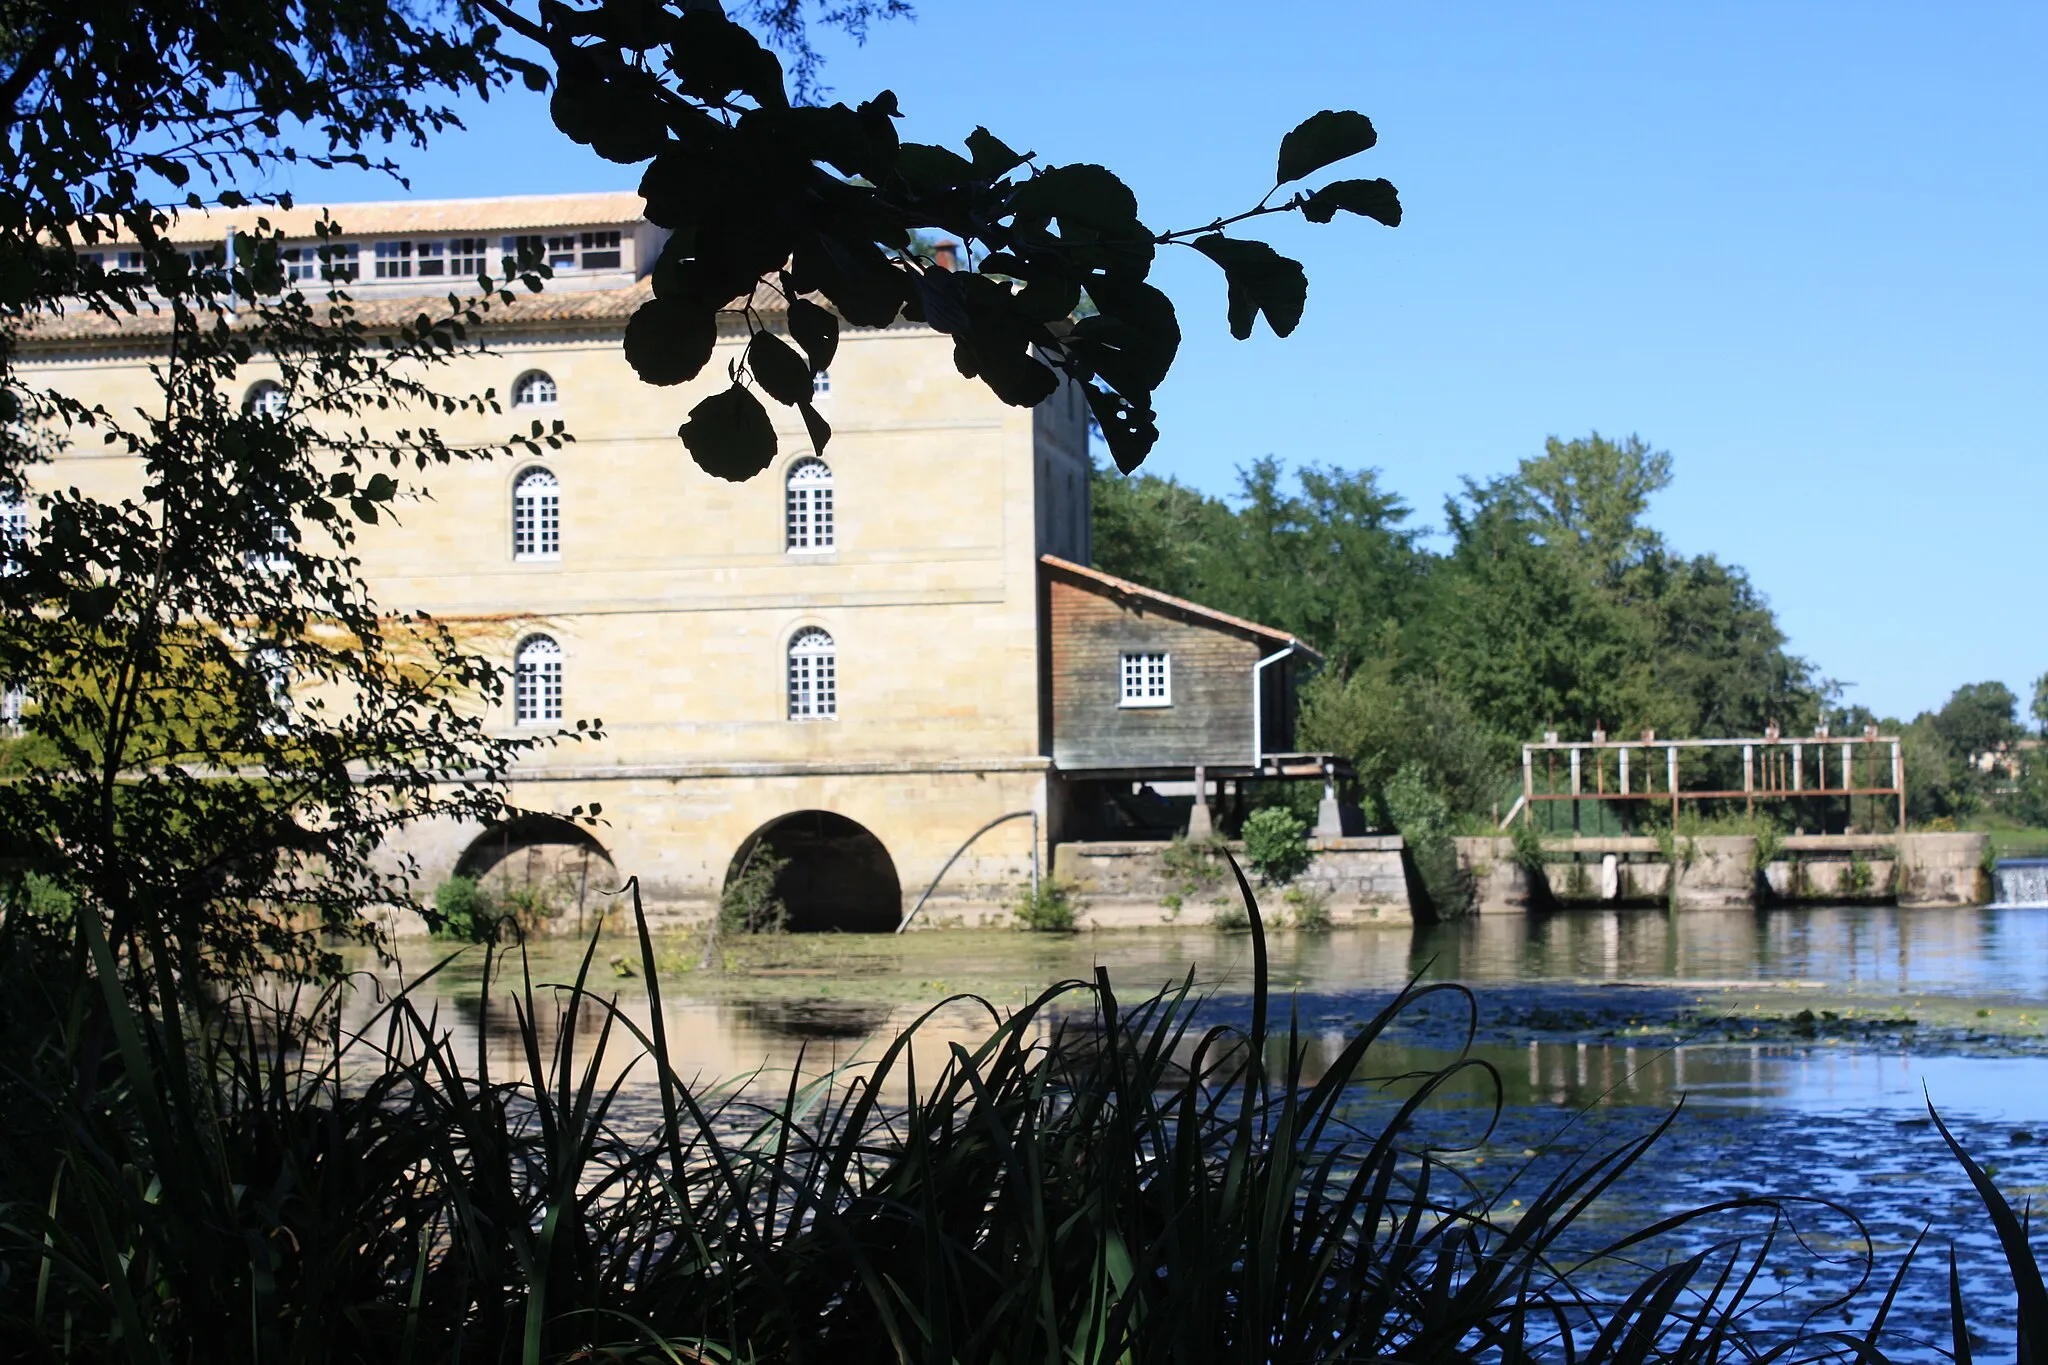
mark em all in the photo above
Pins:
pixel 2020 881
pixel 1734 871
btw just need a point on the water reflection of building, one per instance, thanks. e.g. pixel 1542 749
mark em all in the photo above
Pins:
pixel 853 660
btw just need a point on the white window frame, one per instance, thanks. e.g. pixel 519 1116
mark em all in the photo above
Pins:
pixel 812 674
pixel 821 384
pixel 535 389
pixel 272 670
pixel 809 518
pixel 1145 678
pixel 468 257
pixel 430 258
pixel 265 398
pixel 394 260
pixel 330 261
pixel 537 681
pixel 14 529
pixel 536 515
pixel 13 701
pixel 600 250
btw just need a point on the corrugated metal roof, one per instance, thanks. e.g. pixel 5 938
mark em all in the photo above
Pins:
pixel 506 213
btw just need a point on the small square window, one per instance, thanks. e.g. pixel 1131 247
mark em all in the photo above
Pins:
pixel 523 253
pixel 394 260
pixel 429 257
pixel 1147 680
pixel 466 256
pixel 600 250
pixel 562 253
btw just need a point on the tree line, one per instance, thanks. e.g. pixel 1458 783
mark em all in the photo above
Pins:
pixel 1550 602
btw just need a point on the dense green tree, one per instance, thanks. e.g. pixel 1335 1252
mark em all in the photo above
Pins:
pixel 1555 605
pixel 1978 718
pixel 1333 560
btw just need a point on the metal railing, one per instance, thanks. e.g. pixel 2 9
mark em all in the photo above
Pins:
pixel 1773 769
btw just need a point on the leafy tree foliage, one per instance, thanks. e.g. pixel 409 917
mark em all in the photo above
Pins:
pixel 1978 719
pixel 1554 605
pixel 820 206
pixel 221 723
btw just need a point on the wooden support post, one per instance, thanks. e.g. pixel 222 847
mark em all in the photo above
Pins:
pixel 1797 754
pixel 1624 772
pixel 1748 779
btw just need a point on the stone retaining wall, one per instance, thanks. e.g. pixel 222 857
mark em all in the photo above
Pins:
pixel 1129 884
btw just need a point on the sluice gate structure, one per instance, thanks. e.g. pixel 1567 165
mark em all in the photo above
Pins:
pixel 1774 769
pixel 1608 815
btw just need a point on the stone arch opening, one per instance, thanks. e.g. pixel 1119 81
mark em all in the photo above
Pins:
pixel 543 867
pixel 837 876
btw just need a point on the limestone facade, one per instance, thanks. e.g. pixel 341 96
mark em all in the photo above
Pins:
pixel 669 602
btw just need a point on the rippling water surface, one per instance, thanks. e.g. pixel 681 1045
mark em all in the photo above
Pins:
pixel 1805 1044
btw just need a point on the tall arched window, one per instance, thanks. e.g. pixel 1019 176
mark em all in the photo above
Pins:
pixel 264 399
pixel 536 516
pixel 807 507
pixel 13 531
pixel 534 389
pixel 813 675
pixel 537 681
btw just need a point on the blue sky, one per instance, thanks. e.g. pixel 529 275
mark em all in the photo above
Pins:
pixel 1799 246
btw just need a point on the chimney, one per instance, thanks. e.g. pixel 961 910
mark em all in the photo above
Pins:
pixel 946 255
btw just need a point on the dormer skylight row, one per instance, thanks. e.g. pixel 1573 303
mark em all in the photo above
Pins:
pixel 429 258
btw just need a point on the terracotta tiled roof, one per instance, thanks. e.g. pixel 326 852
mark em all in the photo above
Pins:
pixel 528 310
pixel 508 213
pixel 1124 587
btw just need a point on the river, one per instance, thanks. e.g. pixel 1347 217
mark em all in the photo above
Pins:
pixel 1805 1045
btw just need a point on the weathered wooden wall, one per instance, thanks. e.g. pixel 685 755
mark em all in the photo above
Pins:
pixel 1210 721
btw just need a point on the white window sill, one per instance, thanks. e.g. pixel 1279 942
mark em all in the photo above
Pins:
pixel 1128 705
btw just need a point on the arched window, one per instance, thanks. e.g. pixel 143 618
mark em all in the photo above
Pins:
pixel 813 675
pixel 807 507
pixel 13 531
pixel 534 389
pixel 537 681
pixel 270 688
pixel 536 516
pixel 264 399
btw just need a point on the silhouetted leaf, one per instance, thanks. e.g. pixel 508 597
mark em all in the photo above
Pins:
pixel 785 375
pixel 928 170
pixel 1375 199
pixel 1128 427
pixel 816 330
pixel 1007 367
pixel 668 342
pixel 1083 197
pixel 1261 281
pixel 1321 139
pixel 712 57
pixel 992 157
pixel 817 426
pixel 730 435
pixel 1132 340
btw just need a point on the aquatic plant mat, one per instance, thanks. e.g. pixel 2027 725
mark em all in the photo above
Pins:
pixel 1094 1179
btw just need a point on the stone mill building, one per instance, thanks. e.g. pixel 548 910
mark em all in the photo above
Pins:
pixel 858 660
